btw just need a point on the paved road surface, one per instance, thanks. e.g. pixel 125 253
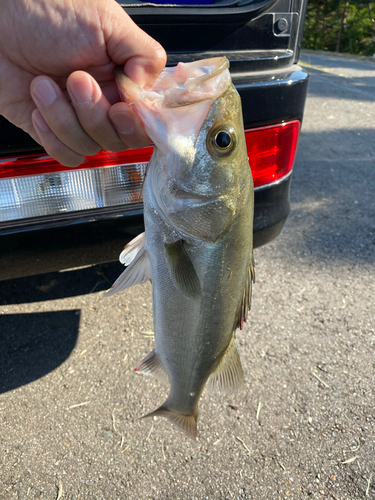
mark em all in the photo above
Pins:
pixel 356 75
pixel 302 427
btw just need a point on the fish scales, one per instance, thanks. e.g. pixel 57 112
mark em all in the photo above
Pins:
pixel 197 249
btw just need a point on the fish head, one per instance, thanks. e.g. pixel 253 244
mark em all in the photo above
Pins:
pixel 199 171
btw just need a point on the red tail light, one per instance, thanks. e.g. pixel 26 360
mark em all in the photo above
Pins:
pixel 37 185
pixel 271 151
pixel 41 163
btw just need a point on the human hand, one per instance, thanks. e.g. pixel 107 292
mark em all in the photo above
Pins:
pixel 56 74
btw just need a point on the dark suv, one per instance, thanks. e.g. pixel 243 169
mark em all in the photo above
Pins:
pixel 53 217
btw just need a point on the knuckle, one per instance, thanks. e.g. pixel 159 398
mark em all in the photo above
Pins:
pixel 83 145
pixel 64 155
pixel 67 158
pixel 90 120
pixel 74 163
pixel 92 148
pixel 135 142
pixel 160 56
pixel 115 147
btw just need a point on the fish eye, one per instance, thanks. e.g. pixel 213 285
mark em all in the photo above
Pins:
pixel 222 140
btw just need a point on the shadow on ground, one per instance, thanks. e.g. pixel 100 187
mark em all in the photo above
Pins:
pixel 34 344
pixel 333 207
pixel 59 285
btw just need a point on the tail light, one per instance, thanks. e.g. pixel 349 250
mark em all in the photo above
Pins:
pixel 36 186
pixel 271 151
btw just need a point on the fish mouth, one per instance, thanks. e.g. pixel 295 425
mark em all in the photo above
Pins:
pixel 179 100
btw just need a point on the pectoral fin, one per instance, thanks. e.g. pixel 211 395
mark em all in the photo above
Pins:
pixel 182 270
pixel 228 376
pixel 137 273
pixel 132 249
pixel 151 365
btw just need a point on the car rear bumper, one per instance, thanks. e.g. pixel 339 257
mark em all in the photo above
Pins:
pixel 93 242
pixel 98 236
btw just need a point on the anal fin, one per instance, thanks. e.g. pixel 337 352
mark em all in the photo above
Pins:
pixel 228 376
pixel 151 365
pixel 186 423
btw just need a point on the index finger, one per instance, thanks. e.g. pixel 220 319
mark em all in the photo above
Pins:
pixel 127 45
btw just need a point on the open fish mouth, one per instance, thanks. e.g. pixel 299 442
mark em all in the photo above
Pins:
pixel 179 100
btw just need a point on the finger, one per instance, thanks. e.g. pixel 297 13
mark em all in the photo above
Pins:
pixel 129 127
pixel 144 58
pixel 60 116
pixel 52 144
pixel 91 108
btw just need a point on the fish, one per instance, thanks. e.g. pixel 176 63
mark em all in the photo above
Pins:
pixel 197 248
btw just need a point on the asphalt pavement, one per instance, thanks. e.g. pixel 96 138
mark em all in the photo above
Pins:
pixel 303 425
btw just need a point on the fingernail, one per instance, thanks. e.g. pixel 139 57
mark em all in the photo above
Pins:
pixel 80 90
pixel 123 122
pixel 44 92
pixel 40 122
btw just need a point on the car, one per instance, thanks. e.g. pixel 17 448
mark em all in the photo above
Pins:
pixel 55 218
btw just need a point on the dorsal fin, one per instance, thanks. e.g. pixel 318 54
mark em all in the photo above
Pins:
pixel 245 304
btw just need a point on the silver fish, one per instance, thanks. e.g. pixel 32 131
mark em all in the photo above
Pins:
pixel 197 248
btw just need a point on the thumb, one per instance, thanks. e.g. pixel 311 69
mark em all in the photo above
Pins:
pixel 127 45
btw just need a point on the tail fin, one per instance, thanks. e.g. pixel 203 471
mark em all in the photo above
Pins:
pixel 186 423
